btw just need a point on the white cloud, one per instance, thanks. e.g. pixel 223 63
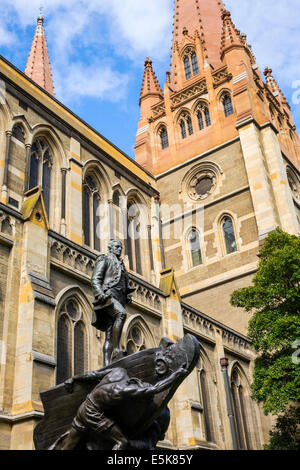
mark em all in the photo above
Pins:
pixel 77 81
pixel 133 29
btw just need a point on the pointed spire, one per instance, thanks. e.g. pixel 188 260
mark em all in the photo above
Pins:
pixel 150 85
pixel 203 17
pixel 38 64
pixel 231 37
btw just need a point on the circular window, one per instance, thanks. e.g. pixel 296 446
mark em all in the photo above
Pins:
pixel 202 184
pixel 293 183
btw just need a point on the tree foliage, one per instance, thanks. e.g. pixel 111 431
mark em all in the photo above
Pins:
pixel 274 301
pixel 285 435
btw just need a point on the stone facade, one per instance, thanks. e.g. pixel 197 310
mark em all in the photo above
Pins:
pixel 56 171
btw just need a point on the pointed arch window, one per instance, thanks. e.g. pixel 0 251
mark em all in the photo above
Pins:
pixel 91 212
pixel 136 340
pixel 194 64
pixel 239 407
pixel 18 133
pixel 187 68
pixel 164 139
pixel 203 116
pixel 229 235
pixel 227 104
pixel 190 125
pixel 72 353
pixel 40 169
pixel 195 249
pixel 134 237
pixel 182 129
pixel 200 120
pixel 190 62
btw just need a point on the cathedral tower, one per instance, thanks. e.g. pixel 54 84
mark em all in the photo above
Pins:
pixel 220 140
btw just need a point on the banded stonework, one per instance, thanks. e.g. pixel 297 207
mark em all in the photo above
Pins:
pixel 218 147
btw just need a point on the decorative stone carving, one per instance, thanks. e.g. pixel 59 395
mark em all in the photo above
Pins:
pixel 221 76
pixel 293 183
pixel 191 92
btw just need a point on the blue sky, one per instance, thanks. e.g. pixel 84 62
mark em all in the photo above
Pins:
pixel 97 50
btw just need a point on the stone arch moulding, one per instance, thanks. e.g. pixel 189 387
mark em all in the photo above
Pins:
pixel 76 292
pixel 95 166
pixel 206 170
pixel 47 132
pixel 188 49
pixel 137 320
pixel 236 365
pixel 5 114
pixel 21 119
pixel 86 307
pixel 219 229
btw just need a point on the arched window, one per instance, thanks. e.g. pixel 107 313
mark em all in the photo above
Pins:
pixel 200 120
pixel 116 198
pixel 41 163
pixel 182 128
pixel 190 125
pixel 190 63
pixel 91 212
pixel 18 133
pixel 229 235
pixel 187 67
pixel 72 343
pixel 185 124
pixel 195 64
pixel 164 140
pixel 227 104
pixel 280 123
pixel 136 340
pixel 204 386
pixel 194 242
pixel 239 407
pixel 134 237
pixel 207 117
pixel 206 405
pixel 202 112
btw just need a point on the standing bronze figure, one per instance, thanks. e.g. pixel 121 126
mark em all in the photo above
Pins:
pixel 111 289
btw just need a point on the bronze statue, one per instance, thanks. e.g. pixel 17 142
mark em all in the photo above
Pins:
pixel 114 386
pixel 111 289
pixel 123 405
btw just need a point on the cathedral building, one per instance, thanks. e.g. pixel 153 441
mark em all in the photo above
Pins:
pixel 216 169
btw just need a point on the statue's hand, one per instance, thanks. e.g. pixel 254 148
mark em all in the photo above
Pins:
pixel 102 298
pixel 182 370
pixel 69 384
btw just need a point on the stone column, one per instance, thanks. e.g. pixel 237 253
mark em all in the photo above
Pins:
pixel 63 200
pixel 27 167
pixel 5 172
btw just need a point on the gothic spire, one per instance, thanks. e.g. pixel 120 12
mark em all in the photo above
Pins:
pixel 150 85
pixel 203 17
pixel 38 64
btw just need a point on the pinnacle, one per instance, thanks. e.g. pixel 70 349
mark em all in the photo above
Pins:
pixel 230 35
pixel 272 83
pixel 150 83
pixel 38 64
